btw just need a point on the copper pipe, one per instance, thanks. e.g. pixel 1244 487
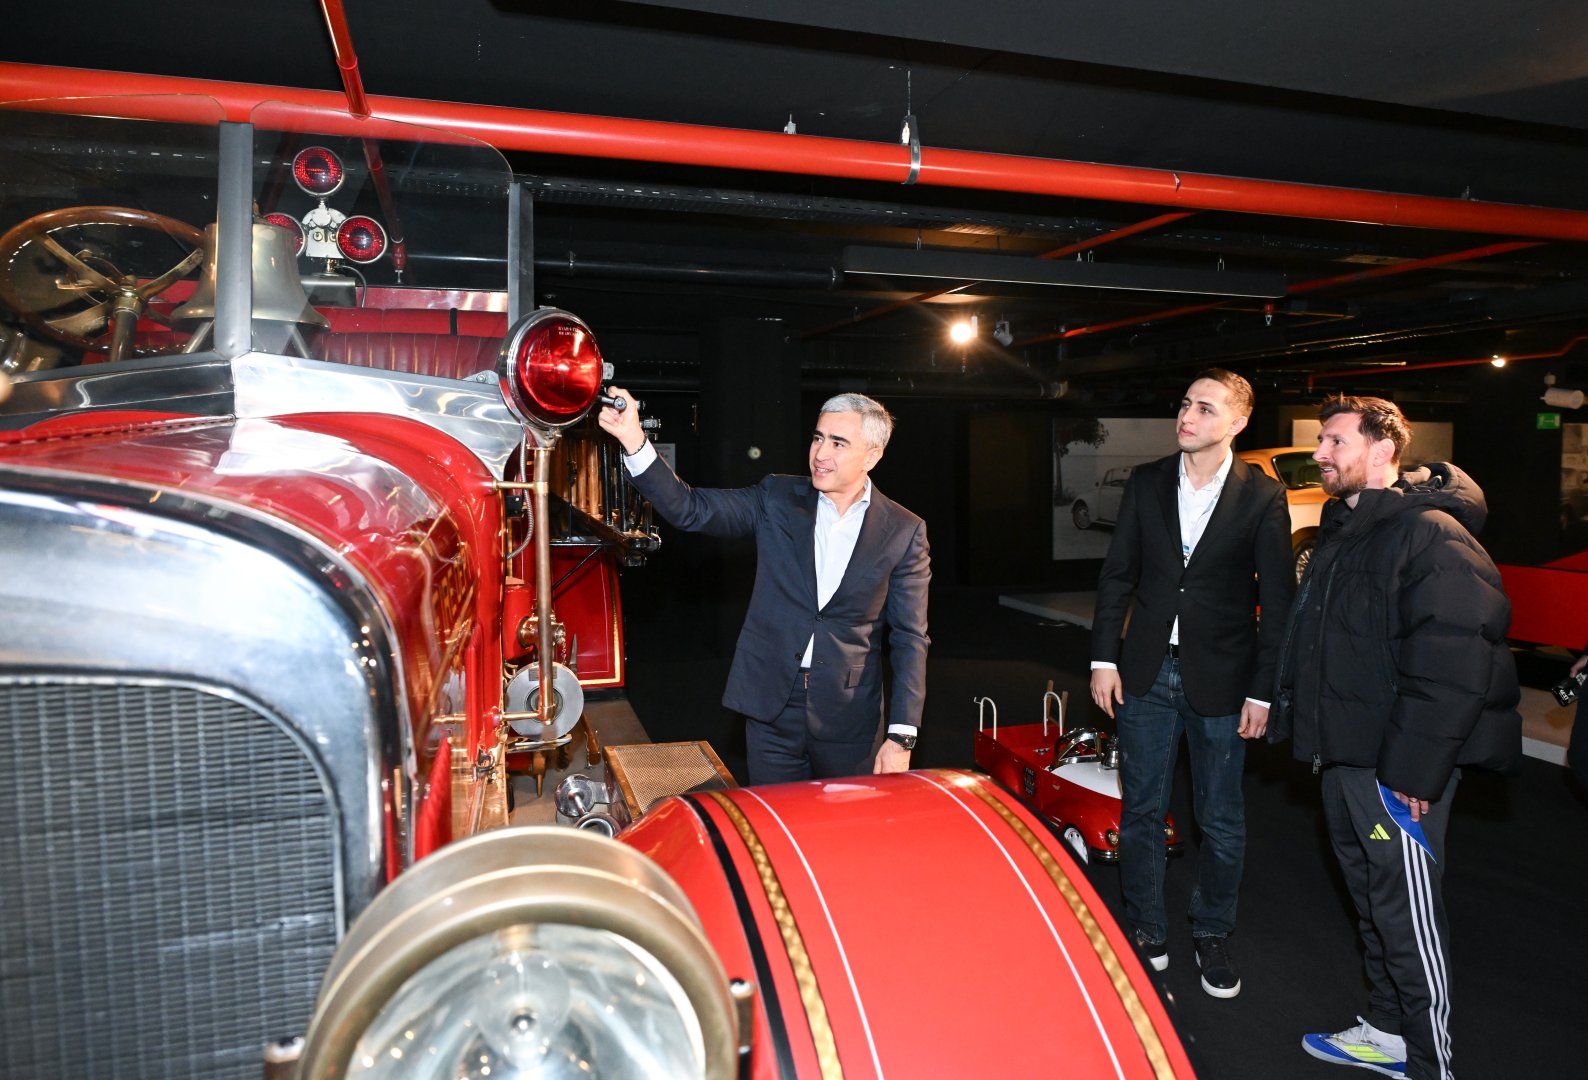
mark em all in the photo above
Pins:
pixel 540 508
pixel 1057 253
pixel 808 155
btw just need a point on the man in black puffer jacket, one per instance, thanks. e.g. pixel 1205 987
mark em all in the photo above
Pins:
pixel 1393 673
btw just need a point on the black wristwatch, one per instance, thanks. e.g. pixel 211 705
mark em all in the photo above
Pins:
pixel 906 741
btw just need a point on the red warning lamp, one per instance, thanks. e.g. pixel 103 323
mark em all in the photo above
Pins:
pixel 360 239
pixel 318 171
pixel 550 369
pixel 290 223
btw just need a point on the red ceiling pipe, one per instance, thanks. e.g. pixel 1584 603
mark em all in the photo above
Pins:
pixel 358 105
pixel 1487 251
pixel 1135 320
pixel 1398 369
pixel 1057 253
pixel 684 144
pixel 346 59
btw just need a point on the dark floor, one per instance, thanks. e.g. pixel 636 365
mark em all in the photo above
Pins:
pixel 1516 885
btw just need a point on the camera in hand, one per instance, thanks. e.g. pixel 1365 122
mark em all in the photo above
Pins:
pixel 1565 691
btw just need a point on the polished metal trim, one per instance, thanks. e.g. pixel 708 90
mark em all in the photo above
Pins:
pixel 471 412
pixel 198 385
pixel 503 882
pixel 104 579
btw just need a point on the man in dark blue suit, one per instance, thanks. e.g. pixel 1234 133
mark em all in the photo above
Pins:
pixel 1202 540
pixel 837 562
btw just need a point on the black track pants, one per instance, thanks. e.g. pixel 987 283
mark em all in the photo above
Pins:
pixel 1394 881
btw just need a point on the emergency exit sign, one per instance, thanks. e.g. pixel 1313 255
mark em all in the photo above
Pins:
pixel 1549 421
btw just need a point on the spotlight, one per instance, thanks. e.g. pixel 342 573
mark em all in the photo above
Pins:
pixel 963 331
pixel 1002 334
pixel 1498 361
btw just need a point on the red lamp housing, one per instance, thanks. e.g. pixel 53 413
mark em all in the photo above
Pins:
pixel 550 369
pixel 292 225
pixel 318 171
pixel 360 239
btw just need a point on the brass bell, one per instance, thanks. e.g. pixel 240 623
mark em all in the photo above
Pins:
pixel 278 290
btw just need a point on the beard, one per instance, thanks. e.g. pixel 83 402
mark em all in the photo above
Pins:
pixel 1343 485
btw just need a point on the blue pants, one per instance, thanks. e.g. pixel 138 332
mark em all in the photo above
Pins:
pixel 783 750
pixel 1149 740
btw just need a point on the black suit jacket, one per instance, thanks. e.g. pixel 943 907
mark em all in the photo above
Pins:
pixel 884 585
pixel 1243 560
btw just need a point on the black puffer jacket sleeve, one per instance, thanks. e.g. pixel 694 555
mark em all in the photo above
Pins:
pixel 1448 619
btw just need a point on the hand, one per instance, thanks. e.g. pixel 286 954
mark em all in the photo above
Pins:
pixel 623 426
pixel 1576 669
pixel 891 757
pixel 1107 690
pixel 1418 807
pixel 1254 720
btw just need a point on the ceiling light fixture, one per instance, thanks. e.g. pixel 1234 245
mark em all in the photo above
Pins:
pixel 963 331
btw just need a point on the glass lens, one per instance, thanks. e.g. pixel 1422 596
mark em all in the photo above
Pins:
pixel 559 370
pixel 536 1003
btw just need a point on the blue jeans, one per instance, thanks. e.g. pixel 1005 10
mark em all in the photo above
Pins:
pixel 1149 742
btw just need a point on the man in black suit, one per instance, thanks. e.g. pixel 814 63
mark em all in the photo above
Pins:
pixel 1202 540
pixel 836 563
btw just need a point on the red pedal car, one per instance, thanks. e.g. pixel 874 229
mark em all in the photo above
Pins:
pixel 1069 776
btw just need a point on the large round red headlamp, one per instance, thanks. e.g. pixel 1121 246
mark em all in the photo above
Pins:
pixel 318 171
pixel 550 369
pixel 360 239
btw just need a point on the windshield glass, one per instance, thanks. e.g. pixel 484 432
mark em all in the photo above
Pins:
pixel 100 219
pixel 1298 470
pixel 373 243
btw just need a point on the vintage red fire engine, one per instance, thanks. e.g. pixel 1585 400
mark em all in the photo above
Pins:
pixel 294 555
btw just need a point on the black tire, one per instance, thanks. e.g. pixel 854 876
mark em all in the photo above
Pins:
pixel 1081 515
pixel 1301 550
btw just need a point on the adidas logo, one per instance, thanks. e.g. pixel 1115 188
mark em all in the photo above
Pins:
pixel 1378 833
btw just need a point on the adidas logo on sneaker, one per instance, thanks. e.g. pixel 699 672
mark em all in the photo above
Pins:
pixel 1378 833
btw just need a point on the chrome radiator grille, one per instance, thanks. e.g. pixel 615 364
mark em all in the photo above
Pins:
pixel 168 886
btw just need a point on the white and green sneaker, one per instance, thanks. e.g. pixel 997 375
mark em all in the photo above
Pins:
pixel 1364 1046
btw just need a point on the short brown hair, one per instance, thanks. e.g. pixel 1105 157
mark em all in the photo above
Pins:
pixel 1241 396
pixel 1380 419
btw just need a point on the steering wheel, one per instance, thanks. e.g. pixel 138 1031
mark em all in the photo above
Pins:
pixel 47 283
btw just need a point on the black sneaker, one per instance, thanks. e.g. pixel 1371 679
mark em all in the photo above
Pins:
pixel 1155 953
pixel 1218 970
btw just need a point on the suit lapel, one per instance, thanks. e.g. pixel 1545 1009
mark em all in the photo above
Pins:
pixel 874 530
pixel 1224 510
pixel 1169 502
pixel 804 533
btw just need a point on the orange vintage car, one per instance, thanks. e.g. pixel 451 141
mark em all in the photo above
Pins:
pixel 1293 466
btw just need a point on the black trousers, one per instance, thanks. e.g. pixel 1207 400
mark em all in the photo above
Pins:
pixel 782 750
pixel 1577 751
pixel 1393 868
